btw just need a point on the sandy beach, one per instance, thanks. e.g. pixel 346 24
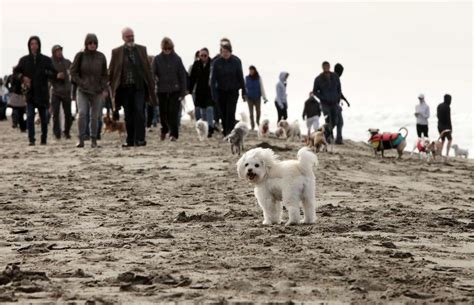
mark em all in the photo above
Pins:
pixel 171 222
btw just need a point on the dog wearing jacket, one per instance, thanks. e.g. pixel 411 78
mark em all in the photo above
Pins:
pixel 279 183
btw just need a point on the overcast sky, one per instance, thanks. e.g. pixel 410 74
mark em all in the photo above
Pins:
pixel 391 51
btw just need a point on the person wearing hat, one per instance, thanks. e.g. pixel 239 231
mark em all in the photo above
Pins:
pixel 227 78
pixel 34 71
pixel 89 72
pixel 422 114
pixel 171 86
pixel 61 93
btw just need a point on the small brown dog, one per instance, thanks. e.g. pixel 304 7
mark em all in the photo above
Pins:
pixel 113 126
pixel 317 140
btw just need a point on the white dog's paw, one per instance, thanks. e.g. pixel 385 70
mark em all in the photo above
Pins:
pixel 292 223
pixel 309 221
pixel 268 222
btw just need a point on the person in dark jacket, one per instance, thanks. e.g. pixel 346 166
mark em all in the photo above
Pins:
pixel 132 84
pixel 444 122
pixel 16 101
pixel 199 83
pixel 171 77
pixel 327 89
pixel 338 69
pixel 35 70
pixel 255 92
pixel 227 79
pixel 311 113
pixel 61 93
pixel 89 72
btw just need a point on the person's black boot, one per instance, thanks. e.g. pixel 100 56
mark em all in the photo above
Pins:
pixel 211 132
pixel 80 144
pixel 94 143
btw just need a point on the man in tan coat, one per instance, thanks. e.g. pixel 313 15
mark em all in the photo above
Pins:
pixel 132 84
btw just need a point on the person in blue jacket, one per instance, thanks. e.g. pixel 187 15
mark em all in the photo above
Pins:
pixel 255 92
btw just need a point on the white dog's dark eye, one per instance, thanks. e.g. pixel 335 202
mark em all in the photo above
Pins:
pixel 246 164
pixel 257 165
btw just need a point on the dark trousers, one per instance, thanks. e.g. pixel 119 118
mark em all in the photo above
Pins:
pixel 422 130
pixel 330 115
pixel 133 102
pixel 339 125
pixel 282 112
pixel 170 108
pixel 3 109
pixel 56 102
pixel 18 118
pixel 227 101
pixel 30 121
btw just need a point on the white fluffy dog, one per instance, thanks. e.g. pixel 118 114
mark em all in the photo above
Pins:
pixel 460 152
pixel 292 130
pixel 202 129
pixel 281 182
pixel 264 129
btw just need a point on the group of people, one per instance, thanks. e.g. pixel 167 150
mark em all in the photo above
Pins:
pixel 443 113
pixel 144 86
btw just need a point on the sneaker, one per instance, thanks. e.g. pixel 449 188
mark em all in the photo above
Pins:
pixel 173 139
pixel 43 142
pixel 31 144
pixel 80 144
pixel 163 136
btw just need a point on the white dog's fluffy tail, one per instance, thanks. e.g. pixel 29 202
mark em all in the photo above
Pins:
pixel 307 159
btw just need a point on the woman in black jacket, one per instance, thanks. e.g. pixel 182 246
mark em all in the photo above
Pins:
pixel 34 70
pixel 199 81
pixel 171 87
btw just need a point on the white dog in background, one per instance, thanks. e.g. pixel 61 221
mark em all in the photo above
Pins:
pixel 281 182
pixel 292 131
pixel 202 129
pixel 460 152
pixel 264 129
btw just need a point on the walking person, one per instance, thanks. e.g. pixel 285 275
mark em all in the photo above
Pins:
pixel 89 72
pixel 443 112
pixel 132 85
pixel 422 114
pixel 35 70
pixel 311 113
pixel 171 87
pixel 338 69
pixel 61 93
pixel 227 78
pixel 16 102
pixel 255 92
pixel 3 100
pixel 327 89
pixel 199 84
pixel 281 100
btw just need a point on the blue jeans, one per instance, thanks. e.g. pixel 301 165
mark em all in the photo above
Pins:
pixel 30 121
pixel 206 114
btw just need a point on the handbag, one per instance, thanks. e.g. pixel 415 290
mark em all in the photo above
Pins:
pixel 16 100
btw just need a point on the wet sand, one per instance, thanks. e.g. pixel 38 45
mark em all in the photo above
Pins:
pixel 171 222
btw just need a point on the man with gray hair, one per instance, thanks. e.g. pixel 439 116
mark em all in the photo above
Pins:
pixel 132 84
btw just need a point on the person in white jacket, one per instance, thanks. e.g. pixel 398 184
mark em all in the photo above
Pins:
pixel 281 101
pixel 422 114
